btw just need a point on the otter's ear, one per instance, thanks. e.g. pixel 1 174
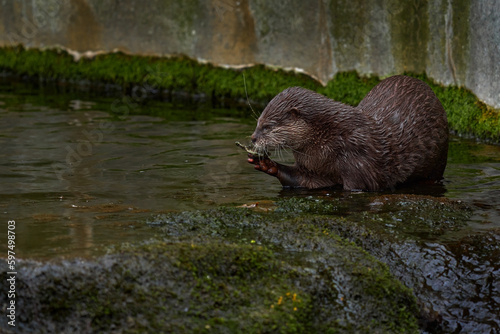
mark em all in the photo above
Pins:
pixel 295 112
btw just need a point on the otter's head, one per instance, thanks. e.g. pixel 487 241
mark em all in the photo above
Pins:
pixel 283 124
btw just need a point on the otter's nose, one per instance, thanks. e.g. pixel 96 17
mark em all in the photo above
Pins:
pixel 254 138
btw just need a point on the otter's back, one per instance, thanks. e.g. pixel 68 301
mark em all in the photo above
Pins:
pixel 414 124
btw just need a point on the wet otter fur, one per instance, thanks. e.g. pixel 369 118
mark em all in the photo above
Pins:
pixel 397 134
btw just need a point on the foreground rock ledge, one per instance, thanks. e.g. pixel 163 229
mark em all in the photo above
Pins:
pixel 228 270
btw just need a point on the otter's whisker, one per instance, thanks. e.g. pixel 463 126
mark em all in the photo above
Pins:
pixel 248 100
pixel 281 149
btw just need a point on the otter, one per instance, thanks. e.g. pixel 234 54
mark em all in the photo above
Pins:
pixel 396 135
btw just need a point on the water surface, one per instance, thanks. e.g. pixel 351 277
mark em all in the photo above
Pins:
pixel 80 172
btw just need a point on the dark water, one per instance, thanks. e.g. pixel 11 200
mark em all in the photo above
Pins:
pixel 79 172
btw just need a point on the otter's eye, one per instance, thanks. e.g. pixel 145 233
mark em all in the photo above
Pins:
pixel 266 128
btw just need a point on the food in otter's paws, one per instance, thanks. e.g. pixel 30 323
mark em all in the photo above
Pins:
pixel 250 151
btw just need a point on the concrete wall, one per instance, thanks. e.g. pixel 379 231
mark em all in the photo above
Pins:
pixel 453 41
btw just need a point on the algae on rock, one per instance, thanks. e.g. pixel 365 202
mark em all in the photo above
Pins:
pixel 466 114
pixel 227 270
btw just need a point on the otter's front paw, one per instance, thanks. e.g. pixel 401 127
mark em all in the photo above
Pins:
pixel 263 164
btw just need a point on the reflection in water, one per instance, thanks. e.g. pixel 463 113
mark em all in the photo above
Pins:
pixel 76 178
pixel 473 175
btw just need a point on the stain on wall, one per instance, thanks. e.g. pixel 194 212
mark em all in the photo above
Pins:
pixel 83 30
pixel 228 36
pixel 409 34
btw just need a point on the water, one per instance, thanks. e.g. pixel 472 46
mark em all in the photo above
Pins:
pixel 80 172
pixel 76 176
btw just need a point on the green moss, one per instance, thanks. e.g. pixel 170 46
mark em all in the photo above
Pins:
pixel 415 217
pixel 348 87
pixel 299 242
pixel 466 114
pixel 178 73
pixel 223 270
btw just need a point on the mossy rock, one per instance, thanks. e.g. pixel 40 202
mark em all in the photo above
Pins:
pixel 466 114
pixel 227 270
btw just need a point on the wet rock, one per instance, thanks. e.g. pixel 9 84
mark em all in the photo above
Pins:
pixel 428 246
pixel 426 243
pixel 416 216
pixel 302 265
pixel 226 271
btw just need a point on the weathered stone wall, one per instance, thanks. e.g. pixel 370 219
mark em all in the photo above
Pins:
pixel 453 41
